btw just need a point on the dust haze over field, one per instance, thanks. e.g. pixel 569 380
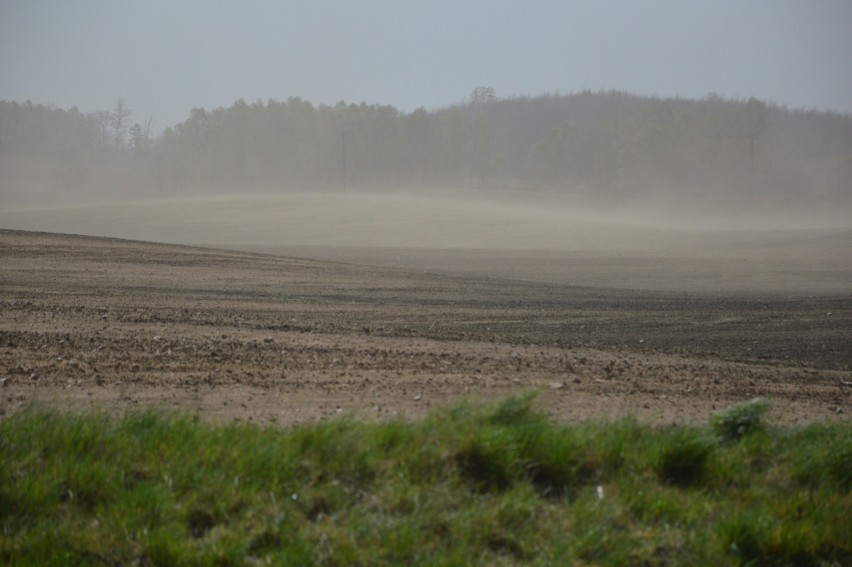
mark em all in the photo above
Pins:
pixel 494 216
pixel 528 236
pixel 386 305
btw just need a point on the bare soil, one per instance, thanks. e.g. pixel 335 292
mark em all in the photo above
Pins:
pixel 117 325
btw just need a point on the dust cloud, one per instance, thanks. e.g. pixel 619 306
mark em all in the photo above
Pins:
pixel 534 236
pixel 607 189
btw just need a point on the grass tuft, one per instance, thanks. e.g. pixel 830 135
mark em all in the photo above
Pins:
pixel 516 412
pixel 683 457
pixel 815 466
pixel 741 420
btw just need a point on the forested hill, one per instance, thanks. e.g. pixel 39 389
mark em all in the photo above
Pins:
pixel 611 144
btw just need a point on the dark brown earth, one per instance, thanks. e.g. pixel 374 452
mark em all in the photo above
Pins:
pixel 116 325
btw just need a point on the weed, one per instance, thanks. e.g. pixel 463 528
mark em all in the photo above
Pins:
pixel 516 412
pixel 741 420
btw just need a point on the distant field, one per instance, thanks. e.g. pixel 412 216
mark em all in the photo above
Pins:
pixel 346 220
pixel 528 237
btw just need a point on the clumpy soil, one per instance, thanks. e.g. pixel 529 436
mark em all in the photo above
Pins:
pixel 116 326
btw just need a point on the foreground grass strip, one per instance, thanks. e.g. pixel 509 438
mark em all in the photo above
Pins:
pixel 470 485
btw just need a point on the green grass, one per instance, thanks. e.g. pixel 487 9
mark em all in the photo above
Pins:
pixel 741 420
pixel 495 485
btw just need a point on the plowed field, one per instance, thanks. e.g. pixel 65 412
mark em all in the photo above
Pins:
pixel 117 325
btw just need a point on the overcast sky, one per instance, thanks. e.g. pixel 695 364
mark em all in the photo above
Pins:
pixel 166 57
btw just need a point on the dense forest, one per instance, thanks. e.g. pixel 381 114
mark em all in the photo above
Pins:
pixel 608 144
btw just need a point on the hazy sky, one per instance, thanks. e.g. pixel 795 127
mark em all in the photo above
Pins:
pixel 166 57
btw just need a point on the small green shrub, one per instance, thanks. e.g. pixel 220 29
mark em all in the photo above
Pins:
pixel 517 412
pixel 744 419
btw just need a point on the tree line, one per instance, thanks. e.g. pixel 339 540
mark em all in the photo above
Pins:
pixel 608 143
